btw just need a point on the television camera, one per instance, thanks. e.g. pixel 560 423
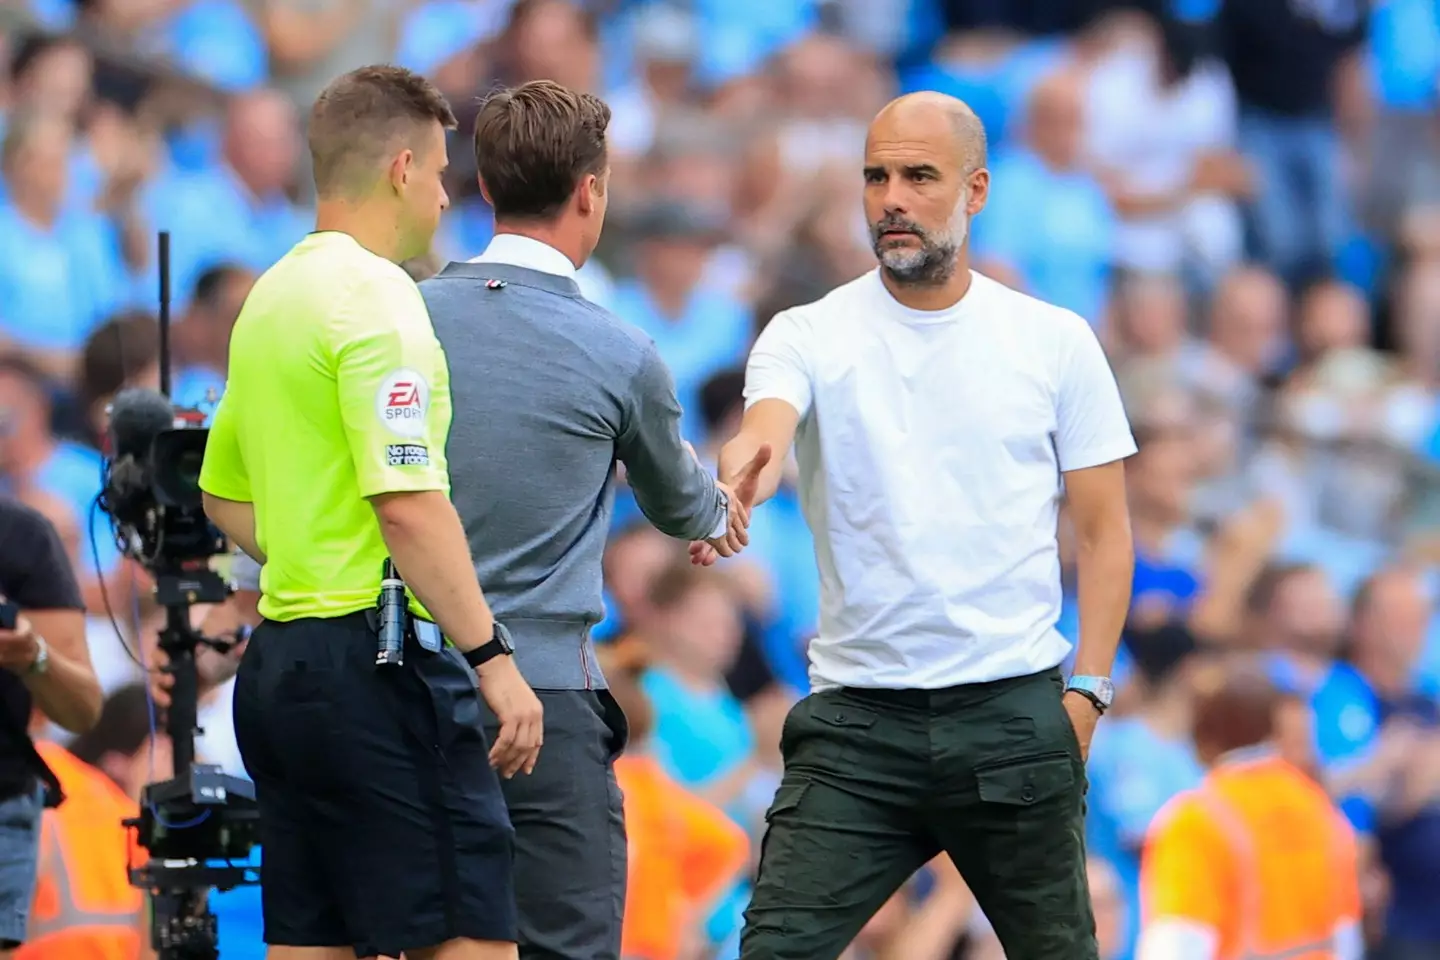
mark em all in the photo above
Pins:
pixel 197 824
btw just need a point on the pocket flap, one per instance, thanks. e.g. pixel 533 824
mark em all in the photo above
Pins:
pixel 1026 781
pixel 787 798
pixel 842 715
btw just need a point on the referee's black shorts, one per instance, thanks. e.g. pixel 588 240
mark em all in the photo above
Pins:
pixel 382 825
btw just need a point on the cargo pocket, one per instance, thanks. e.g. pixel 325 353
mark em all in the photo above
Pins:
pixel 1031 780
pixel 778 840
pixel 1030 814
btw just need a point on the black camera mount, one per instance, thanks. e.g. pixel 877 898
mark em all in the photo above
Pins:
pixel 196 825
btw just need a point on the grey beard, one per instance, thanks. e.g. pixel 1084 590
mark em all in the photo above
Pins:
pixel 931 266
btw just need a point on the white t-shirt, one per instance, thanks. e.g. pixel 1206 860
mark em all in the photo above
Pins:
pixel 931 447
pixel 1154 136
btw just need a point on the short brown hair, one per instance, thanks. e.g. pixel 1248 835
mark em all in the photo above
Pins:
pixel 115 351
pixel 533 145
pixel 357 118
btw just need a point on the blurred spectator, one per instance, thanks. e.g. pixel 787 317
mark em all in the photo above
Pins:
pixel 30 453
pixel 1162 129
pixel 1285 58
pixel 84 904
pixel 685 853
pixel 697 327
pixel 238 210
pixel 553 40
pixel 824 119
pixel 201 340
pixel 702 734
pixel 123 352
pixel 665 43
pixel 1245 343
pixel 61 270
pixel 1139 761
pixel 311 42
pixel 125 744
pixel 1048 227
pixel 1211 860
pixel 1380 736
pixel 53 74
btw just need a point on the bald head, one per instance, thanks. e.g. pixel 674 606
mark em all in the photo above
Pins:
pixel 935 118
pixel 1054 120
pixel 925 178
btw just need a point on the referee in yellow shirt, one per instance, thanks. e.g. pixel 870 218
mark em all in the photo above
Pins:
pixel 382 825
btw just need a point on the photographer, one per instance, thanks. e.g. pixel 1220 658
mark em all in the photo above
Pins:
pixel 46 668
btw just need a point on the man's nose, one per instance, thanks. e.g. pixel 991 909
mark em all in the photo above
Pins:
pixel 897 197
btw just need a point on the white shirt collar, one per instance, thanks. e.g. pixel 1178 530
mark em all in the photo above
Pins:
pixel 518 251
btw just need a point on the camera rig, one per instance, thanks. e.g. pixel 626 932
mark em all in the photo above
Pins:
pixel 195 825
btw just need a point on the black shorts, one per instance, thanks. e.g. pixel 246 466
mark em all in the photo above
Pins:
pixel 382 824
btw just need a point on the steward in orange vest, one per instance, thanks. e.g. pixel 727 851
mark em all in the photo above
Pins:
pixel 85 908
pixel 1256 863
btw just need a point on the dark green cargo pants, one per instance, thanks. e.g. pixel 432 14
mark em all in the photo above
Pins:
pixel 878 782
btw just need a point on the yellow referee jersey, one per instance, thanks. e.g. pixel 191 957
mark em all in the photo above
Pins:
pixel 338 390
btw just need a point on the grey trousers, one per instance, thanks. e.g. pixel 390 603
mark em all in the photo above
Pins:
pixel 570 847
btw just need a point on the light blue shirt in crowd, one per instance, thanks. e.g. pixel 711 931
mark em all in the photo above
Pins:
pixel 698 736
pixel 213 219
pixel 1404 53
pixel 712 333
pixel 57 285
pixel 1055 228
pixel 217 41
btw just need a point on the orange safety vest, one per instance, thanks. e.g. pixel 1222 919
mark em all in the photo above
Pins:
pixel 84 907
pixel 683 851
pixel 1259 854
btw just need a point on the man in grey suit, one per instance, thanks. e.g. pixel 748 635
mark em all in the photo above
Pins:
pixel 549 391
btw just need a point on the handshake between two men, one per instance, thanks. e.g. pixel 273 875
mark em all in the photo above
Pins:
pixel 742 490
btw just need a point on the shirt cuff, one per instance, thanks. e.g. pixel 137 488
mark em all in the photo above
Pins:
pixel 724 524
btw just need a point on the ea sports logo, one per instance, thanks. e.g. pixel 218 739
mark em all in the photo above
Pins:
pixel 402 403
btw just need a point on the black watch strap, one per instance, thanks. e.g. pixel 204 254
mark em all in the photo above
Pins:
pixel 1094 700
pixel 499 645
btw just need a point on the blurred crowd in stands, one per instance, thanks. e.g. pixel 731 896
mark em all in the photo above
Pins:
pixel 1243 197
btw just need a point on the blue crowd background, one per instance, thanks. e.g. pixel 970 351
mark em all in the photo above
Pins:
pixel 1243 197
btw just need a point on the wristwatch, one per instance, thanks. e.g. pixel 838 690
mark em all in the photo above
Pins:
pixel 1098 690
pixel 41 663
pixel 500 645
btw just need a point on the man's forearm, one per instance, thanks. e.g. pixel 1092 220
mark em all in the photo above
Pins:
pixel 68 693
pixel 1106 567
pixel 680 498
pixel 236 520
pixel 427 543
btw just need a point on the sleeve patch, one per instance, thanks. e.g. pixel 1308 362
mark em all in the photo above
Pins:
pixel 402 403
pixel 407 455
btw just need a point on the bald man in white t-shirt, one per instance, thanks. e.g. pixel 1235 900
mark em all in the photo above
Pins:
pixel 938 418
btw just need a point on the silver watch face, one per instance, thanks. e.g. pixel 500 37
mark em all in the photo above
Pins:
pixel 503 636
pixel 1100 687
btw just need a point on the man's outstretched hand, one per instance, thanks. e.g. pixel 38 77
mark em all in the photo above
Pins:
pixel 742 488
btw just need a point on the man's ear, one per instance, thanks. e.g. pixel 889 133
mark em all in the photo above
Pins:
pixel 979 191
pixel 400 169
pixel 587 192
pixel 485 191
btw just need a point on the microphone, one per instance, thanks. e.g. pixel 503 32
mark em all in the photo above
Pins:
pixel 137 417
